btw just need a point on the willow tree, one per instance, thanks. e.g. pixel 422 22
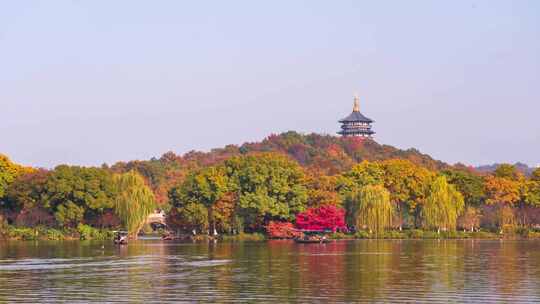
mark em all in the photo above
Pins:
pixel 370 206
pixel 134 201
pixel 443 205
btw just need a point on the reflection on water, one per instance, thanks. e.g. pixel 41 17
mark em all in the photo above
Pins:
pixel 343 271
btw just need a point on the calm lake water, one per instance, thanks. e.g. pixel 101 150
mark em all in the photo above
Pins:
pixel 278 271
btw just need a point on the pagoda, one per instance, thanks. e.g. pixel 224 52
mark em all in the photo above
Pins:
pixel 356 124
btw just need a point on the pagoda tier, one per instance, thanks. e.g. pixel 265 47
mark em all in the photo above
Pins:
pixel 356 124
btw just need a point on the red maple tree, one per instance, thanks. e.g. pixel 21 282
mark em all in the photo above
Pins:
pixel 326 217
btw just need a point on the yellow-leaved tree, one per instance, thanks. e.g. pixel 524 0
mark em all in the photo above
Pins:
pixel 443 205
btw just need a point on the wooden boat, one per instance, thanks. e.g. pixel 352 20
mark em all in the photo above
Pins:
pixel 121 238
pixel 311 241
pixel 312 237
pixel 167 237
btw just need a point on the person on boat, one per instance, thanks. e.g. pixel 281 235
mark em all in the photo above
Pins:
pixel 121 238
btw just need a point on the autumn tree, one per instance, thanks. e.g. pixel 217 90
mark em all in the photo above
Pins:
pixel 134 201
pixel 24 200
pixel 322 190
pixel 501 190
pixel 408 185
pixel 370 206
pixel 281 230
pixel 322 218
pixel 27 190
pixel 470 219
pixel 506 218
pixel 363 174
pixel 224 216
pixel 406 182
pixel 8 172
pixel 443 205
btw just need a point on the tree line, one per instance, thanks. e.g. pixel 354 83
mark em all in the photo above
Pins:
pixel 249 192
pixel 290 178
pixel 69 196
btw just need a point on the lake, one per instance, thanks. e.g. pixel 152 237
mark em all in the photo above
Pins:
pixel 279 271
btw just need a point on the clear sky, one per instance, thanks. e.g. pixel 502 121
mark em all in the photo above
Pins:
pixel 88 82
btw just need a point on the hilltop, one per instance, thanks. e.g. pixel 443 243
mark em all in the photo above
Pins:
pixel 329 154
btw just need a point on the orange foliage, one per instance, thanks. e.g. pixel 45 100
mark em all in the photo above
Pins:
pixel 281 230
pixel 501 190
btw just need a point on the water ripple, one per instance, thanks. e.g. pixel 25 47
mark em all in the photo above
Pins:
pixel 343 272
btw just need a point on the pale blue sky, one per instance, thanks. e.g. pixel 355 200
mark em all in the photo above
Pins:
pixel 87 82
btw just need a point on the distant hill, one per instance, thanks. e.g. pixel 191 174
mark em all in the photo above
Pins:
pixel 330 154
pixel 524 168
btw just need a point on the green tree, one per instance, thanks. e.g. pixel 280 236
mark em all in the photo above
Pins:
pixel 532 193
pixel 69 214
pixel 363 174
pixel 443 205
pixel 508 171
pixel 134 202
pixel 535 175
pixel 469 184
pixel 370 206
pixel 206 187
pixel 188 217
pixel 92 189
pixel 268 186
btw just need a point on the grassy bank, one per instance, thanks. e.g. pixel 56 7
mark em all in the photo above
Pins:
pixel 423 234
pixel 244 237
pixel 85 232
pixel 82 232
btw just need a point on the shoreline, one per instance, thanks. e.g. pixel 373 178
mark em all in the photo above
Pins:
pixel 51 234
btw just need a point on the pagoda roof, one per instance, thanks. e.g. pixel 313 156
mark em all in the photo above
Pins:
pixel 356 116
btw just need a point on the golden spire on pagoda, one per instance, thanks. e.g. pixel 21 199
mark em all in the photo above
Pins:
pixel 356 107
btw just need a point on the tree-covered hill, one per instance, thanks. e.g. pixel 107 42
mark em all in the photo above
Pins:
pixel 326 154
pixel 330 154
